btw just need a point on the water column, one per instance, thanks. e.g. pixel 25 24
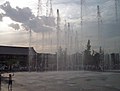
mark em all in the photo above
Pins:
pixel 116 10
pixel 29 52
pixel 68 47
pixel 82 37
pixel 71 47
pixel 100 38
pixel 66 44
pixel 43 63
pixel 58 37
pixel 76 51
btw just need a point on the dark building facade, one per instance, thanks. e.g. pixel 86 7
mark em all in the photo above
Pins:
pixel 15 56
pixel 25 58
pixel 94 60
pixel 115 60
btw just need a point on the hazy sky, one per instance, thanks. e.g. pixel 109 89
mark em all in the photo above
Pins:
pixel 18 16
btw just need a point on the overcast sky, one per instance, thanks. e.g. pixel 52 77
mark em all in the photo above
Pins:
pixel 18 16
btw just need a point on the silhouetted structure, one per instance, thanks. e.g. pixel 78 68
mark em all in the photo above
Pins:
pixel 115 61
pixel 88 61
pixel 92 61
pixel 16 57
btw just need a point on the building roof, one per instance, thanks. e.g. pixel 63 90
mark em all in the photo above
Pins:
pixel 16 50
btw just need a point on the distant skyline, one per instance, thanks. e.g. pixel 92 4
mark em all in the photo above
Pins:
pixel 17 17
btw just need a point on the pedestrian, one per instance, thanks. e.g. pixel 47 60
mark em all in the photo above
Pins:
pixel 10 82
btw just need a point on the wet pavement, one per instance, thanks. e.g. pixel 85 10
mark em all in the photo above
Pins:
pixel 65 81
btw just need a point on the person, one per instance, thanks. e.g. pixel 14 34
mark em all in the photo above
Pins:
pixel 10 82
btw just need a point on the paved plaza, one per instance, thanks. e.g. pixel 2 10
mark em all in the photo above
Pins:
pixel 65 81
